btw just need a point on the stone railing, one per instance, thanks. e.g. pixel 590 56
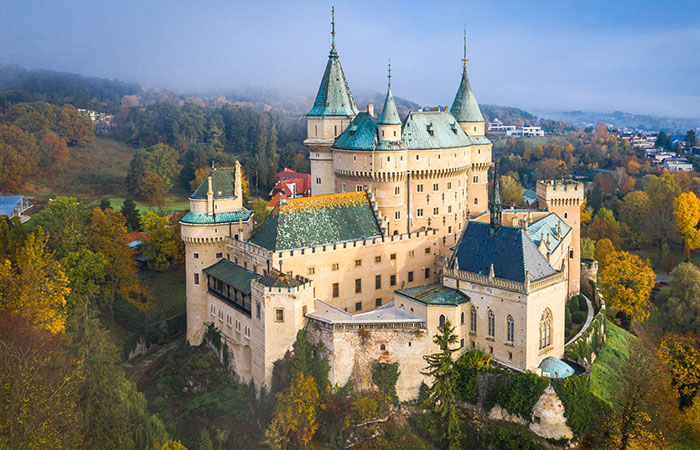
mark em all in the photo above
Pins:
pixel 505 284
pixel 584 348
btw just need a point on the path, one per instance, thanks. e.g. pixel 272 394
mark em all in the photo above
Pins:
pixel 585 326
pixel 153 355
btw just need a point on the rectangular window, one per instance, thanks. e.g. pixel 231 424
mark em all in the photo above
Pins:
pixel 336 290
pixel 397 190
pixel 392 256
pixel 196 278
pixel 279 315
pixel 449 186
pixel 343 187
pixel 358 187
pixel 397 215
pixel 318 180
pixel 410 277
pixel 392 280
pixel 436 211
pixel 358 262
pixel 427 250
pixel 427 273
pixel 571 253
pixel 334 266
pixel 312 270
pixel 377 259
pixel 219 255
pixel 195 255
pixel 358 286
pixel 377 281
pixel 411 253
pixel 257 310
pixel 419 188
pixel 475 179
pixel 378 302
pixel 449 229
pixel 436 187
pixel 358 306
pixel 449 209
pixel 419 212
pixel 461 343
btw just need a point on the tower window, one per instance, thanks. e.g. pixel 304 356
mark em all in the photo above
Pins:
pixel 279 315
pixel 427 273
pixel 492 324
pixel 566 215
pixel 318 180
pixel 476 201
pixel 442 319
pixel 196 278
pixel 419 188
pixel 358 286
pixel 336 290
pixel 397 215
pixel 397 190
pixel 195 255
pixel 358 306
pixel 378 282
pixel 419 212
pixel 394 133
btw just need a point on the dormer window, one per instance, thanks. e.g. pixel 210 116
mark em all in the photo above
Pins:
pixel 430 129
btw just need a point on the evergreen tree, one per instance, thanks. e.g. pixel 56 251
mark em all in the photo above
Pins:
pixel 442 395
pixel 661 139
pixel 105 204
pixel 131 215
pixel 596 198
pixel 205 442
pixel 690 138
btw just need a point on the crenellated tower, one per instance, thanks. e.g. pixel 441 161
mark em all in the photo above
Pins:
pixel 333 110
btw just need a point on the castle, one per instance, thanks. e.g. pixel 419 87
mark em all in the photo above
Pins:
pixel 398 237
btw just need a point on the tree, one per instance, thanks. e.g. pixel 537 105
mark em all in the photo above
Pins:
pixel 18 157
pixel 162 246
pixel 131 215
pixel 604 226
pixel 161 160
pixel 661 139
pixel 687 213
pixel 586 214
pixel 690 139
pixel 684 299
pixel 680 353
pixel 633 212
pixel 626 283
pixel 170 445
pixel 66 223
pixel 35 285
pixel 511 191
pixel 199 176
pixel 596 197
pixel 442 396
pixel 152 188
pixel 660 223
pixel 54 151
pixel 205 442
pixel 295 414
pixel 260 210
pixel 105 204
pixel 587 248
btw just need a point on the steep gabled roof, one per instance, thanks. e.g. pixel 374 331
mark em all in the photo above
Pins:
pixel 312 221
pixel 223 182
pixel 510 251
pixel 465 108
pixel 547 226
pixel 334 97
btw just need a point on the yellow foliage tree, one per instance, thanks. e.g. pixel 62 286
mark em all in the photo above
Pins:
pixel 680 353
pixel 35 285
pixel 511 191
pixel 604 248
pixel 626 283
pixel 170 445
pixel 295 413
pixel 199 176
pixel 586 214
pixel 687 213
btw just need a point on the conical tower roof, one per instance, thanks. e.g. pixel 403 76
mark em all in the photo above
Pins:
pixel 465 107
pixel 390 115
pixel 334 97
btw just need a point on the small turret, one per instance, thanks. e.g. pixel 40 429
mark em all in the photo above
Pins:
pixel 465 108
pixel 495 206
pixel 389 125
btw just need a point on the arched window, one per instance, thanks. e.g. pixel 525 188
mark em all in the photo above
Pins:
pixel 442 320
pixel 510 329
pixel 382 347
pixel 492 324
pixel 472 320
pixel 546 329
pixel 462 318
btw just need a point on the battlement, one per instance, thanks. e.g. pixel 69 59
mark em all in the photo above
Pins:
pixel 560 193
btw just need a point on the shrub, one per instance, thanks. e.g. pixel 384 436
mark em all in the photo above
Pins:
pixel 128 315
pixel 575 394
pixel 579 317
pixel 466 381
pixel 476 359
pixel 520 393
pixel 582 304
pixel 567 318
pixel 385 375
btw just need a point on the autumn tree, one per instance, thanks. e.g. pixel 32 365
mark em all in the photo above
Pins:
pixel 158 160
pixel 54 151
pixel 680 353
pixel 684 299
pixel 152 188
pixel 587 248
pixel 260 210
pixel 687 213
pixel 604 226
pixel 18 157
pixel 199 176
pixel 626 281
pixel 442 394
pixel 660 223
pixel 511 191
pixel 634 211
pixel 295 416
pixel 586 213
pixel 162 246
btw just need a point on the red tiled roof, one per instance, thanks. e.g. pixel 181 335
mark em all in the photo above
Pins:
pixel 286 178
pixel 276 199
pixel 137 236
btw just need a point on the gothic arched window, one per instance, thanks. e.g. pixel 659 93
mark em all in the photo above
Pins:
pixel 510 329
pixel 442 320
pixel 462 318
pixel 546 329
pixel 492 324
pixel 472 320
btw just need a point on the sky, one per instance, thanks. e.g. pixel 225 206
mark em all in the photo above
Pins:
pixel 633 56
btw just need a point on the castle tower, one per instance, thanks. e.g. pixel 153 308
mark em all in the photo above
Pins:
pixel 466 110
pixel 216 213
pixel 389 125
pixel 333 110
pixel 564 198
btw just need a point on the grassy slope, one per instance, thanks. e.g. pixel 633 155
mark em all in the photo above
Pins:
pixel 169 291
pixel 610 361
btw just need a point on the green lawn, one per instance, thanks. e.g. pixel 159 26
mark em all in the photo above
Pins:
pixel 610 362
pixel 174 205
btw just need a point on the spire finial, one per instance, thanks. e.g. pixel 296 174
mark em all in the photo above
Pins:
pixel 389 75
pixel 495 205
pixel 333 26
pixel 464 60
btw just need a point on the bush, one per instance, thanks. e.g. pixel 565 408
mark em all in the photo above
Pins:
pixel 385 375
pixel 582 304
pixel 466 381
pixel 520 393
pixel 579 317
pixel 567 318
pixel 128 315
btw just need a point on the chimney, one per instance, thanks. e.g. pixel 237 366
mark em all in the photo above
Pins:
pixel 370 109
pixel 210 197
pixel 446 109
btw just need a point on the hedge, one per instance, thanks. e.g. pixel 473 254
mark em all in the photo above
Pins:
pixel 579 317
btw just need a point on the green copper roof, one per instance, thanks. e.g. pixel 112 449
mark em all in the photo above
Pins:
pixel 465 107
pixel 390 116
pixel 434 294
pixel 334 97
pixel 232 274
pixel 547 227
pixel 421 131
pixel 199 218
pixel 223 182
pixel 312 221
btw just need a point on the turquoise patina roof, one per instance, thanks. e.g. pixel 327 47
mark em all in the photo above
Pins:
pixel 199 218
pixel 223 182
pixel 423 130
pixel 465 108
pixel 434 294
pixel 232 274
pixel 390 115
pixel 555 368
pixel 312 221
pixel 547 225
pixel 334 97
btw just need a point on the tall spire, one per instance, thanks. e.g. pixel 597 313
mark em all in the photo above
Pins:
pixel 334 97
pixel 390 115
pixel 495 206
pixel 333 26
pixel 465 107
